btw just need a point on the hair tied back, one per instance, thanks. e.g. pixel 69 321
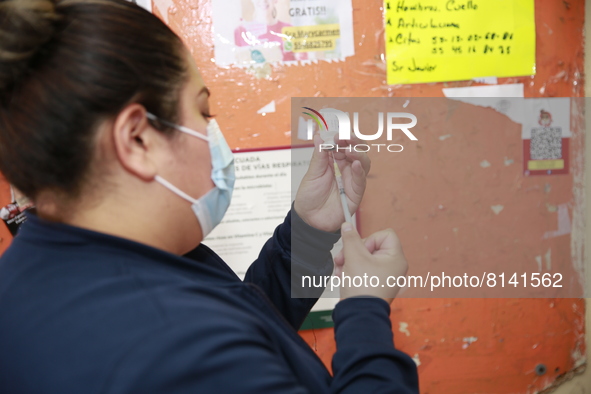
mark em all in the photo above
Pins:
pixel 25 26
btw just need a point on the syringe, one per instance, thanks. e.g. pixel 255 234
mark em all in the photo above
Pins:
pixel 328 135
pixel 339 179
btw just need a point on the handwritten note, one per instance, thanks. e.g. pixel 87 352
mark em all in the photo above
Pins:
pixel 451 40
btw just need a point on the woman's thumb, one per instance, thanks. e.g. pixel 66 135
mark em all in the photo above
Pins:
pixel 319 157
pixel 352 243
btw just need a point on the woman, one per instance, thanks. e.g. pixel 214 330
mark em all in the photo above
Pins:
pixel 104 121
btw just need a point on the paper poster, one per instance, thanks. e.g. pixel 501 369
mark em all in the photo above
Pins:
pixel 546 135
pixel 261 199
pixel 13 214
pixel 266 184
pixel 451 40
pixel 506 99
pixel 255 32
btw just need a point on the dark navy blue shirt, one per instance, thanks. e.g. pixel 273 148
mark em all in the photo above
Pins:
pixel 85 312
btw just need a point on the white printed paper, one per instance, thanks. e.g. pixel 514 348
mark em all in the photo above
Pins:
pixel 266 184
pixel 254 32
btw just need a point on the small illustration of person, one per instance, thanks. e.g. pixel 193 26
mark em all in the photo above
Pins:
pixel 545 118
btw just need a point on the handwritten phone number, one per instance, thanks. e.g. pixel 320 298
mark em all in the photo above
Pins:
pixel 472 38
pixel 469 42
pixel 472 49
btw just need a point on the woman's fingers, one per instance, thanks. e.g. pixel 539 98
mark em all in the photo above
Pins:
pixel 378 255
pixel 383 242
pixel 339 259
pixel 320 160
pixel 358 179
pixel 346 151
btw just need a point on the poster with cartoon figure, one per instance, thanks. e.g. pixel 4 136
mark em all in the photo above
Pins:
pixel 546 135
pixel 255 32
pixel 13 214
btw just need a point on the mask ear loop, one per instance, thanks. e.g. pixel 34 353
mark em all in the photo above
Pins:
pixel 174 189
pixel 178 127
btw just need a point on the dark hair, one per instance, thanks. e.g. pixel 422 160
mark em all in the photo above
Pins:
pixel 67 65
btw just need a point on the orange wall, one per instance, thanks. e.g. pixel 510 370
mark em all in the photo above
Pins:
pixel 514 335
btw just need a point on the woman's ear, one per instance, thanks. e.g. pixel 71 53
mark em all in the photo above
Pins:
pixel 136 142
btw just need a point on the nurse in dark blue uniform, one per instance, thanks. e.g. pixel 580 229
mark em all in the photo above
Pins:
pixel 105 124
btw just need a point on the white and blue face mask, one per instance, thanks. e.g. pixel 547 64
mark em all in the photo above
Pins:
pixel 211 207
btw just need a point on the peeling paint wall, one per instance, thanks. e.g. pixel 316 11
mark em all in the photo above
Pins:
pixel 581 383
pixel 459 345
pixel 484 345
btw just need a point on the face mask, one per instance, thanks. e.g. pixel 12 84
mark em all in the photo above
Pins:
pixel 210 208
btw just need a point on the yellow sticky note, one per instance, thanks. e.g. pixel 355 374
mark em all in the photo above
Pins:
pixel 451 40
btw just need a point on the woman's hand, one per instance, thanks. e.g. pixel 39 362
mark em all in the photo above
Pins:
pixel 318 201
pixel 378 255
